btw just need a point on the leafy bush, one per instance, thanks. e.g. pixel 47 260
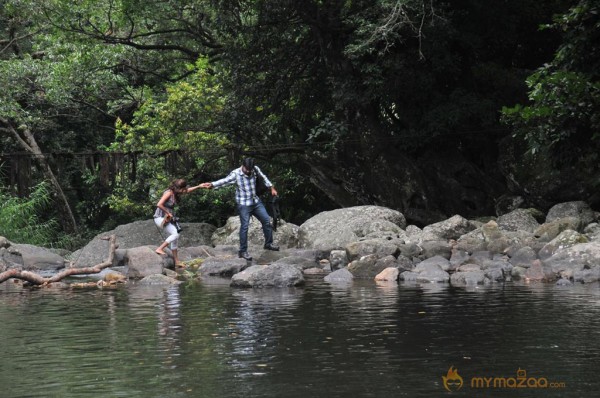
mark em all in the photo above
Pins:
pixel 21 219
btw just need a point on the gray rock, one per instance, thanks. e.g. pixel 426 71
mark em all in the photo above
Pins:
pixel 564 282
pixel 38 258
pixel 430 271
pixel 378 247
pixel 518 220
pixel 408 276
pixel 274 275
pixel 370 266
pixel 592 231
pixel 494 274
pixel 457 258
pixel 402 263
pixel 433 248
pixel 452 228
pixel 335 229
pixel 221 266
pixel 340 276
pixel 565 239
pixel 518 272
pixel 11 257
pixel 413 234
pixel 578 209
pixel 523 257
pixel 285 236
pixel 158 280
pixel 539 272
pixel 143 261
pixel 411 250
pixel 136 234
pixel 587 275
pixel 365 267
pixel 550 230
pixel 440 276
pixel 301 263
pixel 469 278
pixel 338 259
pixel 472 241
pixel 479 257
pixel 315 271
pixel 469 267
pixel 432 264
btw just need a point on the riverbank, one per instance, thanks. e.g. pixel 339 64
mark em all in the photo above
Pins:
pixel 364 242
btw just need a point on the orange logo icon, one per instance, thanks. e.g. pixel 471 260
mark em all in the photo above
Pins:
pixel 452 381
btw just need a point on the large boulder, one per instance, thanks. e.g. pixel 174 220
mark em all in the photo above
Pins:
pixel 143 261
pixel 274 275
pixel 136 234
pixel 335 229
pixel 550 230
pixel 566 261
pixel 578 209
pixel 518 220
pixel 565 239
pixel 38 258
pixel 229 234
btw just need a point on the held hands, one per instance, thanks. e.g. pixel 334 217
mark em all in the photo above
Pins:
pixel 206 185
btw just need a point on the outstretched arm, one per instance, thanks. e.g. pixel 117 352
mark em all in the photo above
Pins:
pixel 192 189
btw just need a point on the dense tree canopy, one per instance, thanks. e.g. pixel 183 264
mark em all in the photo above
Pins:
pixel 390 102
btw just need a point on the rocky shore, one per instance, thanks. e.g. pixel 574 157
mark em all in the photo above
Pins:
pixel 363 242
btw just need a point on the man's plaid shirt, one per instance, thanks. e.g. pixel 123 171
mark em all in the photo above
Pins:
pixel 245 186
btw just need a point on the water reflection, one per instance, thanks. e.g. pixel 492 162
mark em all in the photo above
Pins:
pixel 365 340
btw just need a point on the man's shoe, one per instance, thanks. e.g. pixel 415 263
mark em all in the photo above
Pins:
pixel 245 256
pixel 271 246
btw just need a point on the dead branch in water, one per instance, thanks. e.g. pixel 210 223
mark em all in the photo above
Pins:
pixel 36 279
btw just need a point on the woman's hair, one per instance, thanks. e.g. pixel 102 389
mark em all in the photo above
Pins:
pixel 176 185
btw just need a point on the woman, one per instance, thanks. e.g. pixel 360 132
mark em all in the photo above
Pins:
pixel 164 215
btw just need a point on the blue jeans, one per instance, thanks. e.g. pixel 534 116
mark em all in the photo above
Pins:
pixel 257 210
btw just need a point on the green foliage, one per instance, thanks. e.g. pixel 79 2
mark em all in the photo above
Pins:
pixel 562 118
pixel 183 118
pixel 563 115
pixel 21 218
pixel 189 87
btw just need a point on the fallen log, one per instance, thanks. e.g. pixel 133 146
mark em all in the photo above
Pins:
pixel 36 279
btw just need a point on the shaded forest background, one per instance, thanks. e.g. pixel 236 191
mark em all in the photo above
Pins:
pixel 432 108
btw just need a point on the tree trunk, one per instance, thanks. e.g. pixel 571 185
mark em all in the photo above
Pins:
pixel 36 279
pixel 26 139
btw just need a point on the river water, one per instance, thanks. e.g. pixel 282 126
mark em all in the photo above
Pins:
pixel 364 340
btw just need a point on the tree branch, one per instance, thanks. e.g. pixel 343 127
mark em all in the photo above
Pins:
pixel 36 279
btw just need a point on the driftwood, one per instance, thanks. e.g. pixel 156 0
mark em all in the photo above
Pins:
pixel 36 279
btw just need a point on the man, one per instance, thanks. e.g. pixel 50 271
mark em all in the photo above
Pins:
pixel 248 202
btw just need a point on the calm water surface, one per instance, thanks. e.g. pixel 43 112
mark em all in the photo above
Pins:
pixel 364 340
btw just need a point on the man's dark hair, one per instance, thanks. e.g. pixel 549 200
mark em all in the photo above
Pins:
pixel 248 163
